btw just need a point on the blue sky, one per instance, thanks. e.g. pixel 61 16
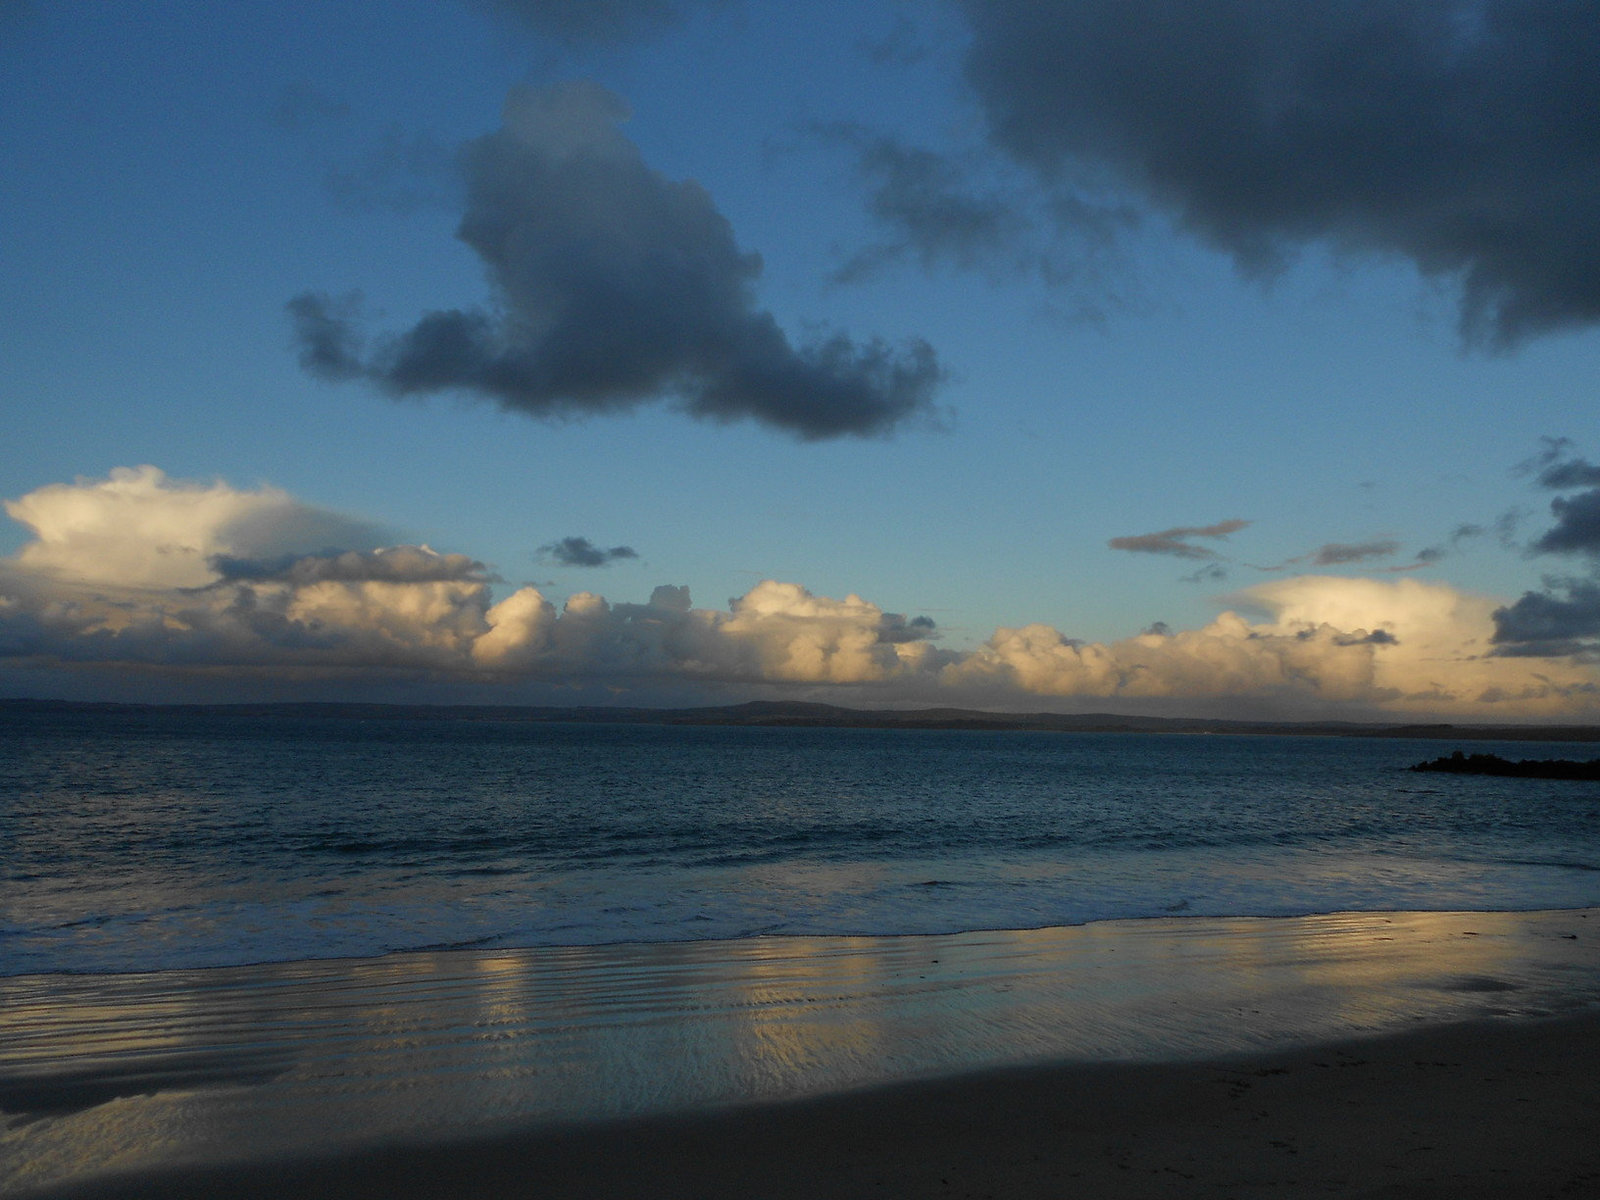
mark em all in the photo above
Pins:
pixel 1076 316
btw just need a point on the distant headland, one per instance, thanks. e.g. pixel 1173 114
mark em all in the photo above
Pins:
pixel 807 714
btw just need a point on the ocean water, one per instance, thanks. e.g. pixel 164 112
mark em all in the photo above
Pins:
pixel 156 841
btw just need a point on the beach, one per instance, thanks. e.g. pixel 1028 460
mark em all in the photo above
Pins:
pixel 1490 1109
pixel 1398 1054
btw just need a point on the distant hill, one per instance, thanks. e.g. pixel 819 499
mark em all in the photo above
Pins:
pixel 807 714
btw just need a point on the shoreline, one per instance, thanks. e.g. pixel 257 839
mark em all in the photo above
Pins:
pixel 1485 1108
pixel 482 946
pixel 174 1075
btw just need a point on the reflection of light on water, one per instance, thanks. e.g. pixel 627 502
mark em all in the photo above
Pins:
pixel 213 1063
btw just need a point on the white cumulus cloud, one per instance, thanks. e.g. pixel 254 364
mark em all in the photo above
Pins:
pixel 145 572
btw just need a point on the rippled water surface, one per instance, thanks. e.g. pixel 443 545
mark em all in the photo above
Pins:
pixel 143 841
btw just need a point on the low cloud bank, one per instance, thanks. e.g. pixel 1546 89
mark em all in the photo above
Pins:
pixel 208 577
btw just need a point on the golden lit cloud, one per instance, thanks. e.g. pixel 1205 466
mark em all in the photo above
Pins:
pixel 144 571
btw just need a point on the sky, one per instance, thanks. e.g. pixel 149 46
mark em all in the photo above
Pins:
pixel 1202 357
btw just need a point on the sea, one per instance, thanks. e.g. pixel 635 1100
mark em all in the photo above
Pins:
pixel 145 840
pixel 238 938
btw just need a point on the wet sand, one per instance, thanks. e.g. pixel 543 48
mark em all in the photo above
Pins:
pixel 1491 1108
pixel 1450 1055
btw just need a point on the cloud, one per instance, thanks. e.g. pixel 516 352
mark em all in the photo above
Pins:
pixel 1339 553
pixel 1210 573
pixel 1326 644
pixel 1456 133
pixel 1461 534
pixel 1504 527
pixel 1577 527
pixel 138 528
pixel 1176 541
pixel 1564 618
pixel 595 22
pixel 581 552
pixel 927 204
pixel 179 580
pixel 775 633
pixel 1547 624
pixel 614 286
pixel 1571 473
pixel 1558 467
pixel 393 564
pixel 950 210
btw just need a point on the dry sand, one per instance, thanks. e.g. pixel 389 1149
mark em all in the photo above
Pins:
pixel 1500 1107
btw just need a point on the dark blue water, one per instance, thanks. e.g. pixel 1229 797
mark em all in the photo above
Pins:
pixel 141 841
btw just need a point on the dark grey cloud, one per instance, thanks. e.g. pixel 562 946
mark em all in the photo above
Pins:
pixel 1457 133
pixel 1573 473
pixel 1563 619
pixel 1337 553
pixel 595 22
pixel 1577 527
pixel 394 564
pixel 1176 541
pixel 581 552
pixel 614 286
pixel 895 629
pixel 1378 637
pixel 325 332
pixel 1559 468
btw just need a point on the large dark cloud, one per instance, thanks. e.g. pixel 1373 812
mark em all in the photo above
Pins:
pixel 614 286
pixel 1458 133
